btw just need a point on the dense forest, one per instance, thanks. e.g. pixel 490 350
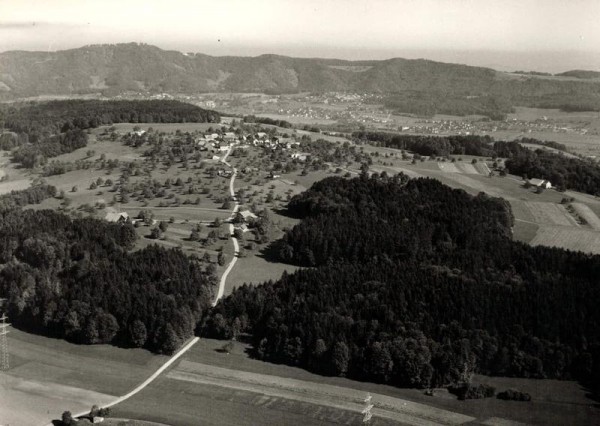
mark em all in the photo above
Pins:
pixel 267 120
pixel 417 284
pixel 428 104
pixel 60 116
pixel 45 130
pixel 562 171
pixel 76 279
pixel 439 146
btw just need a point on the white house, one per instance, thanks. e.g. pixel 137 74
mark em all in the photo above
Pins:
pixel 247 214
pixel 300 156
pixel 543 183
pixel 116 217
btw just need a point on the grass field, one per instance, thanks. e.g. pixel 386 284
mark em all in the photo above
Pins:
pixel 48 376
pixel 209 387
pixel 550 213
pixel 588 215
pixel 255 269
pixel 568 237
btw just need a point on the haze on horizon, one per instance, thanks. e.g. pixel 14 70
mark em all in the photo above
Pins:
pixel 551 36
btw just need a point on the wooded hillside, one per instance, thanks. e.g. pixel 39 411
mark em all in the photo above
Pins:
pixel 417 284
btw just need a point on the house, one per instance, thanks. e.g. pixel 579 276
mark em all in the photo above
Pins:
pixel 247 214
pixel 274 176
pixel 300 156
pixel 224 148
pixel 261 135
pixel 116 217
pixel 542 183
pixel 139 132
pixel 229 136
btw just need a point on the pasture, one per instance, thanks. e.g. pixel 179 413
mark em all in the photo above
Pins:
pixel 211 387
pixel 588 215
pixel 255 269
pixel 48 376
pixel 584 240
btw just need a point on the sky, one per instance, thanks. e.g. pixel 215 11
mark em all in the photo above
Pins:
pixel 543 35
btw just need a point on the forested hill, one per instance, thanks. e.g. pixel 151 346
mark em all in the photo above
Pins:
pixel 418 86
pixel 60 116
pixel 417 284
pixel 41 130
pixel 76 279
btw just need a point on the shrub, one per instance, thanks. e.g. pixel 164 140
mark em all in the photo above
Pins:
pixel 514 395
pixel 466 391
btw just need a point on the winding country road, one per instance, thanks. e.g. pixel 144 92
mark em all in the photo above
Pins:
pixel 236 247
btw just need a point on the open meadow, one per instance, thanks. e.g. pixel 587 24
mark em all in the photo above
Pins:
pixel 48 376
pixel 212 387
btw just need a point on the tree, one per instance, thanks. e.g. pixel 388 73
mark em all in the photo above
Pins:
pixel 107 327
pixel 138 333
pixel 155 234
pixel 67 419
pixel 340 358
pixel 195 235
pixel 163 226
pixel 169 340
pixel 221 259
pixel 74 189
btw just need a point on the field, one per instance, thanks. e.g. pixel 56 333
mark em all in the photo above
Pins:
pixel 210 387
pixel 48 376
pixel 588 215
pixel 568 237
pixel 255 269
pixel 549 213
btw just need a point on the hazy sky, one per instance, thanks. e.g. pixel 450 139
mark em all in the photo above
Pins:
pixel 469 31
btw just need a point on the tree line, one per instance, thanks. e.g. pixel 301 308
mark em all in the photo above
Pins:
pixel 416 284
pixel 45 130
pixel 563 172
pixel 32 195
pixel 439 146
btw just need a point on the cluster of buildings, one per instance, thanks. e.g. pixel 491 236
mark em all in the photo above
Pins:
pixel 216 142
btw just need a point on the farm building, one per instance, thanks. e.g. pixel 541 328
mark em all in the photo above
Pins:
pixel 300 156
pixel 116 217
pixel 543 183
pixel 247 214
pixel 229 136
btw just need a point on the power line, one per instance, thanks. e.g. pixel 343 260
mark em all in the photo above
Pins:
pixel 4 356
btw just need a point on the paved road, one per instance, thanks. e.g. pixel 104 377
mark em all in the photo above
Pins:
pixel 236 247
